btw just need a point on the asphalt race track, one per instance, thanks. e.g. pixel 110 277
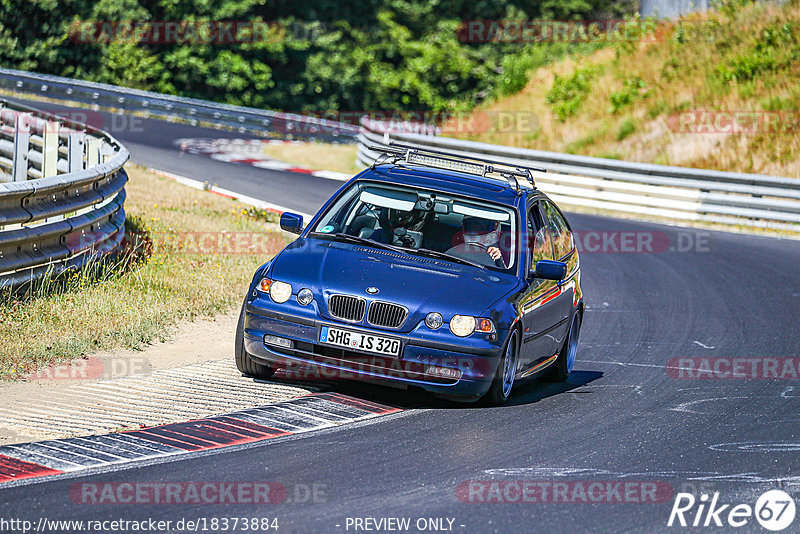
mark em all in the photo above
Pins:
pixel 151 143
pixel 628 413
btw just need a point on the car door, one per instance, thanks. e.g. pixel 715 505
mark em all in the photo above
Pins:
pixel 540 314
pixel 564 250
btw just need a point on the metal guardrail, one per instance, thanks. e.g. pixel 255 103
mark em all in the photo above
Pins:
pixel 61 194
pixel 676 193
pixel 193 111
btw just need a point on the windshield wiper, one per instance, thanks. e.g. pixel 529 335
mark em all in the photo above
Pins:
pixel 446 256
pixel 402 250
pixel 362 241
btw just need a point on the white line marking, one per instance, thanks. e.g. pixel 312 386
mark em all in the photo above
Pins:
pixel 260 204
pixel 625 364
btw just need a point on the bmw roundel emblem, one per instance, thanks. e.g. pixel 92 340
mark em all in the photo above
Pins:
pixel 372 290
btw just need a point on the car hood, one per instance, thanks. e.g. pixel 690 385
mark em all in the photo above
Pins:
pixel 420 284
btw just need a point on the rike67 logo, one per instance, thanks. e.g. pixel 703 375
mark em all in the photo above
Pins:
pixel 774 510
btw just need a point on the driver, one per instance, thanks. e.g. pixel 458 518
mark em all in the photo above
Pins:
pixel 485 234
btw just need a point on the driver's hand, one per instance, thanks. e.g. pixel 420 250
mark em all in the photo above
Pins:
pixel 495 253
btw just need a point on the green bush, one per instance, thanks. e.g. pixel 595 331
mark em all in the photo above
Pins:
pixel 568 92
pixel 747 66
pixel 633 88
pixel 626 128
pixel 774 49
pixel 657 109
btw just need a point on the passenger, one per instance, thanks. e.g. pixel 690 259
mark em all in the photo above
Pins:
pixel 391 220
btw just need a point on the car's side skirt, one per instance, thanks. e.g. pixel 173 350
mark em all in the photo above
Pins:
pixel 539 366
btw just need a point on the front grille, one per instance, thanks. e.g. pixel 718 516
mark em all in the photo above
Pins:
pixel 347 308
pixel 386 314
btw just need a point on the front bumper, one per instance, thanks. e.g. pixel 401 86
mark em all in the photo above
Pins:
pixel 476 357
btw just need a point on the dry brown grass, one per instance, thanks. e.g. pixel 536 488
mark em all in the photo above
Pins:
pixel 316 156
pixel 131 306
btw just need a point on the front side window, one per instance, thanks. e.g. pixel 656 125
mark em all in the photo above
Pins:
pixel 421 221
pixel 541 246
pixel 562 237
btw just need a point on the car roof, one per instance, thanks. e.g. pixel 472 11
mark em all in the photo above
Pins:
pixel 447 181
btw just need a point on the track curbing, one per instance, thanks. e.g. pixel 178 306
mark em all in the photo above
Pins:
pixel 302 414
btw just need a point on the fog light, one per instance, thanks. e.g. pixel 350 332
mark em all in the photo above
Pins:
pixel 282 342
pixel 305 296
pixel 434 320
pixel 443 372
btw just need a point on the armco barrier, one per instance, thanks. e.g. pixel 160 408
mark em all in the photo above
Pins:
pixel 675 193
pixel 61 194
pixel 193 111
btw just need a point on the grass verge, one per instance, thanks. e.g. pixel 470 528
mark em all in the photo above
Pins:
pixel 195 254
pixel 316 156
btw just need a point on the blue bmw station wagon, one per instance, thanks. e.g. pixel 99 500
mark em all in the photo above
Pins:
pixel 455 275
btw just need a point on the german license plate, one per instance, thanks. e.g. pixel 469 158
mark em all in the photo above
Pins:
pixel 359 341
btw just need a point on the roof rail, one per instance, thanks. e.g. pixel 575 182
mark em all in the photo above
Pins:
pixel 455 162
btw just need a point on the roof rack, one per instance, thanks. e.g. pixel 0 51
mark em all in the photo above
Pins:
pixel 455 162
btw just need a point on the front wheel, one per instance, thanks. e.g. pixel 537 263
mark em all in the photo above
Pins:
pixel 244 363
pixel 566 357
pixel 503 381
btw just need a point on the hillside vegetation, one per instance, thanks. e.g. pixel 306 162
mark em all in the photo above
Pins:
pixel 719 90
pixel 317 56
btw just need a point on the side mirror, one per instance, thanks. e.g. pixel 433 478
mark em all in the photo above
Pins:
pixel 292 222
pixel 550 270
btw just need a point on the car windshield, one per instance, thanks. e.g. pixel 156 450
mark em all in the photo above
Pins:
pixel 425 222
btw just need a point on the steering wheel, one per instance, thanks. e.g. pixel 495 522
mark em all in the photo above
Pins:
pixel 470 251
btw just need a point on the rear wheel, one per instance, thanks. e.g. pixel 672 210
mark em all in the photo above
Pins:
pixel 503 381
pixel 566 358
pixel 244 362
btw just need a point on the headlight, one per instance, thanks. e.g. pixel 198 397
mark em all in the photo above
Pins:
pixel 280 291
pixel 462 325
pixel 305 296
pixel 434 320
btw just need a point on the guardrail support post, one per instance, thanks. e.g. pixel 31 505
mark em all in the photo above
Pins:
pixel 76 150
pixel 93 152
pixel 22 138
pixel 50 149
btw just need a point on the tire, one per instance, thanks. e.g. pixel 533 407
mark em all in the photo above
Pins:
pixel 244 362
pixel 503 381
pixel 566 356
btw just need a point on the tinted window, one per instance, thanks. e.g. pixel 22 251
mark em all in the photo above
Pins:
pixel 562 237
pixel 540 245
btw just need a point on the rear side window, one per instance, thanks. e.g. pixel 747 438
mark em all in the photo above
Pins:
pixel 562 237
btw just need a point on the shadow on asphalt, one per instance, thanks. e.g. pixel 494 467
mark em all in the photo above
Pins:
pixel 525 392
